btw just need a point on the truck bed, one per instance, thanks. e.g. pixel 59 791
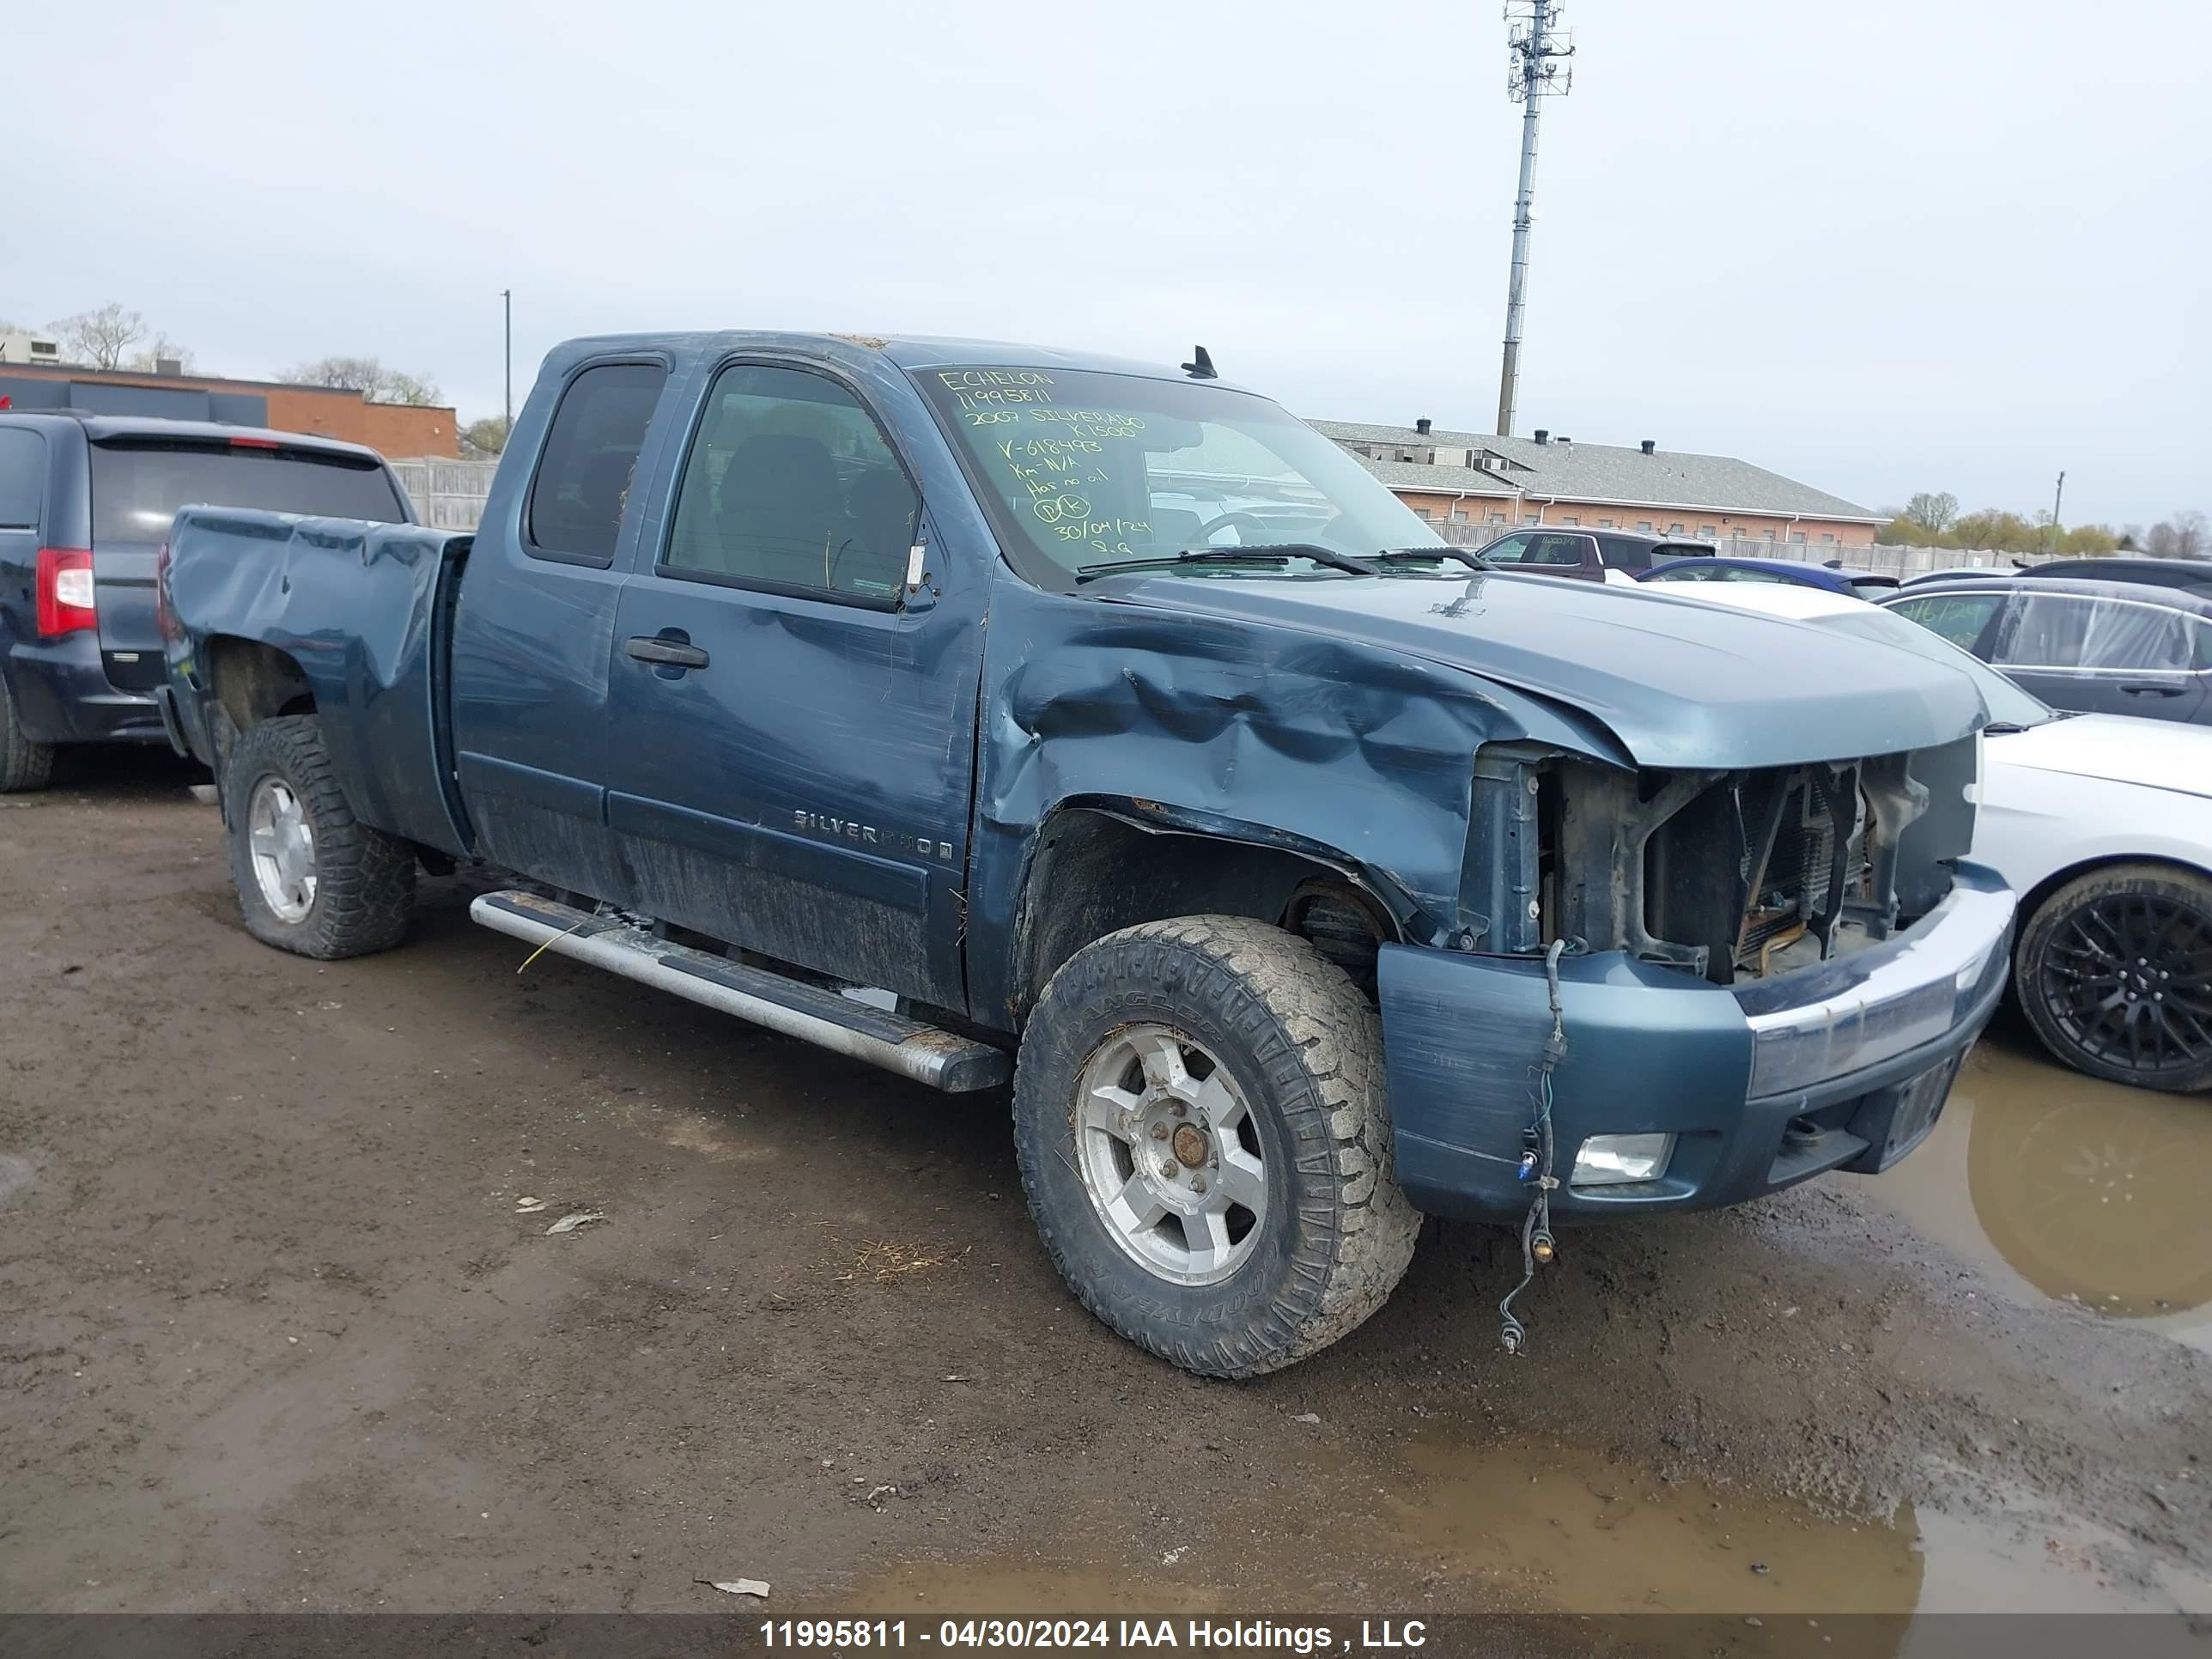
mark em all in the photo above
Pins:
pixel 367 626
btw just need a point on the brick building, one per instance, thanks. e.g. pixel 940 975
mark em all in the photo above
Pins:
pixel 1471 482
pixel 397 429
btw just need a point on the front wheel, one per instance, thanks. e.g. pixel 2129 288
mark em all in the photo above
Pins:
pixel 310 877
pixel 1200 1121
pixel 2114 971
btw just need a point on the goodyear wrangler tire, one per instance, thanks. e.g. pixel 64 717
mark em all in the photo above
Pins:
pixel 310 877
pixel 1200 1121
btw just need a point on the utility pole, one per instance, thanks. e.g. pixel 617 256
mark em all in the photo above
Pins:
pixel 507 296
pixel 1537 72
pixel 2054 501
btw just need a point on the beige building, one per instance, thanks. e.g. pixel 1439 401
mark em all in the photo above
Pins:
pixel 1473 485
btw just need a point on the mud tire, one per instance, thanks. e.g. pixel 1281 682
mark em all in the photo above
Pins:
pixel 1305 1049
pixel 364 878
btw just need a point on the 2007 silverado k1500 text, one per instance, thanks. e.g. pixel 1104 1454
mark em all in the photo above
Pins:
pixel 1113 719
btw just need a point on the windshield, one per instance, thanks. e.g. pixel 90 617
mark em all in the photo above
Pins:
pixel 1079 469
pixel 2007 704
pixel 136 488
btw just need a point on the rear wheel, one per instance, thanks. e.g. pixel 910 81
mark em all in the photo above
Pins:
pixel 2114 971
pixel 310 877
pixel 24 765
pixel 1201 1127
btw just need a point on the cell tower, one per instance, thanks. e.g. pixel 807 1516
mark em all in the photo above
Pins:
pixel 1539 71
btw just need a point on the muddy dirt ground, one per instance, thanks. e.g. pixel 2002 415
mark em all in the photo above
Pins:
pixel 277 1329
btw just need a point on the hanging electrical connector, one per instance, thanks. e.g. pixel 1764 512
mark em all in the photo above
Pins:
pixel 1534 1170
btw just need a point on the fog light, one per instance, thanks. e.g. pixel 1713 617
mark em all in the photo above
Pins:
pixel 1610 1160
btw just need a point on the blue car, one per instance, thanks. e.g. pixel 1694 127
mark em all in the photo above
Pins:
pixel 85 506
pixel 1833 578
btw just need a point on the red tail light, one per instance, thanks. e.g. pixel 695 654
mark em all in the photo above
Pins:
pixel 65 599
pixel 255 443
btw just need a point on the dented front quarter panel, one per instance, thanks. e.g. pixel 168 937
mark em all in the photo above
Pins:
pixel 353 605
pixel 1335 746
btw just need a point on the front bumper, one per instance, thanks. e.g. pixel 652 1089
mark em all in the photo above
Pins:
pixel 1844 1065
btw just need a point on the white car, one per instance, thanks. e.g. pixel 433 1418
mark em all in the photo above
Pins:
pixel 2102 823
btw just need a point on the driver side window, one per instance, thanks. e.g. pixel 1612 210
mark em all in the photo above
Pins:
pixel 1506 550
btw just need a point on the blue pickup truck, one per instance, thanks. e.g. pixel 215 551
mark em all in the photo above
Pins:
pixel 989 713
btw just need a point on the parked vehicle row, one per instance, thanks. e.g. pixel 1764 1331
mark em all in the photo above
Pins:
pixel 1303 884
pixel 1832 578
pixel 2111 648
pixel 85 504
pixel 2103 826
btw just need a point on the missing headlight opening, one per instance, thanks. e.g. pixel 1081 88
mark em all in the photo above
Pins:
pixel 1728 875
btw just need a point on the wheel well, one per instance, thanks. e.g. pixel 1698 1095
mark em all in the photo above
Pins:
pixel 255 682
pixel 1096 872
pixel 2036 896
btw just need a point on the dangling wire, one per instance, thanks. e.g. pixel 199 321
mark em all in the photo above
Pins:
pixel 1536 1161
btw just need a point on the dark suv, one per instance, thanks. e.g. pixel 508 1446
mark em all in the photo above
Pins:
pixel 1590 554
pixel 85 504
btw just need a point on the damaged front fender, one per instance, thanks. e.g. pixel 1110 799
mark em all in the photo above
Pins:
pixel 1346 751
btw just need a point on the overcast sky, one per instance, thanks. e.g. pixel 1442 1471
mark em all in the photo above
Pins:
pixel 1879 247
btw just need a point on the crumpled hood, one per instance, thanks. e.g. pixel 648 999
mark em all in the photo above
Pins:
pixel 1680 683
pixel 2117 748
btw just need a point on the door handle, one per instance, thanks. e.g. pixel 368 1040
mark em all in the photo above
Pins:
pixel 673 653
pixel 2152 690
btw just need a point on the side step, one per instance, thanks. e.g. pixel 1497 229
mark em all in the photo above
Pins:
pixel 924 1053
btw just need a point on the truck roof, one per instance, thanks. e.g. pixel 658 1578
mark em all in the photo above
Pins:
pixel 909 352
pixel 102 428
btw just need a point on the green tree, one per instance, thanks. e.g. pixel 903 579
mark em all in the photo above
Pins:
pixel 1994 528
pixel 489 434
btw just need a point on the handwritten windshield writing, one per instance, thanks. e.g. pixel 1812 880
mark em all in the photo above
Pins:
pixel 1057 459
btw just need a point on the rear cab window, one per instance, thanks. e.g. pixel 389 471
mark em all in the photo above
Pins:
pixel 138 484
pixel 576 501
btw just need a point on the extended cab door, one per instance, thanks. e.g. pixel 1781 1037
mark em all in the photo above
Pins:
pixel 533 634
pixel 793 730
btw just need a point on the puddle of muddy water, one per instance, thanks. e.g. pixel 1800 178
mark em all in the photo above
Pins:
pixel 2062 1188
pixel 1522 1529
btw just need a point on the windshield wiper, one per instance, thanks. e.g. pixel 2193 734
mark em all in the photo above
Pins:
pixel 1432 555
pixel 1275 553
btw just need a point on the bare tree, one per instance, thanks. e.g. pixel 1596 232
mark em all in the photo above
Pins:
pixel 2190 534
pixel 100 337
pixel 1933 512
pixel 163 349
pixel 2160 540
pixel 367 376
